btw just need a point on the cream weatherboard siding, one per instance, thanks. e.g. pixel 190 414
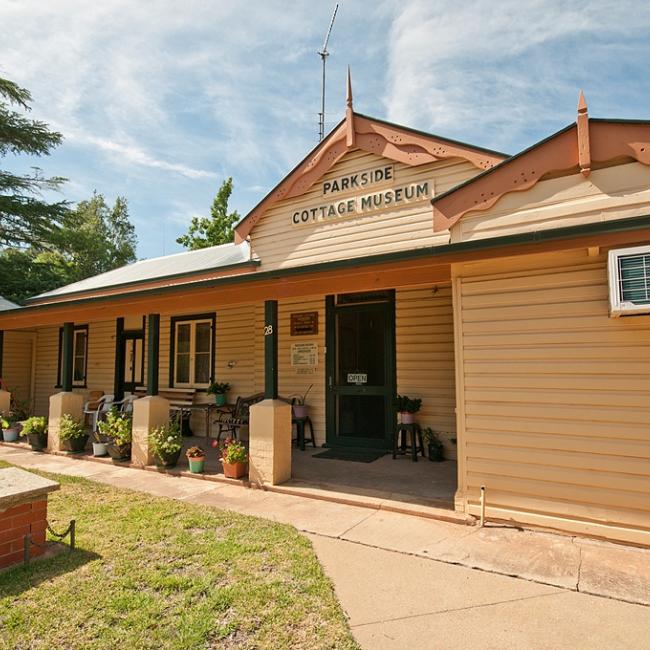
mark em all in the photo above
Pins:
pixel 425 357
pixel 17 364
pixel 556 412
pixel 280 244
pixel 617 192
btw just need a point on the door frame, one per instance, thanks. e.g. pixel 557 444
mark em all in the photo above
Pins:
pixel 124 335
pixel 332 440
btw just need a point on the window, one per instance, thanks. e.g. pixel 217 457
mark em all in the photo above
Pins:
pixel 192 350
pixel 79 356
pixel 629 281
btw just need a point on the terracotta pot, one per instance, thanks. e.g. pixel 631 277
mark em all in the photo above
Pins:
pixel 234 470
pixel 196 464
pixel 407 418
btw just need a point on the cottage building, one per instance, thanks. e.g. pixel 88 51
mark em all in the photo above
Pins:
pixel 510 294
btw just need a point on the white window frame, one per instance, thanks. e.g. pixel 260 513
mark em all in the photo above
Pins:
pixel 618 307
pixel 193 324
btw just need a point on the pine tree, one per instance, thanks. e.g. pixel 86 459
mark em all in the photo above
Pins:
pixel 216 229
pixel 26 220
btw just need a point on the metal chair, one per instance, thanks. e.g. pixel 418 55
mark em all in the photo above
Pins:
pixel 93 410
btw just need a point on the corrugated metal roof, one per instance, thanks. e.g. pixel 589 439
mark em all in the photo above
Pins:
pixel 158 268
pixel 7 304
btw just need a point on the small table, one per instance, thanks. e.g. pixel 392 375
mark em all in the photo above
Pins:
pixel 417 444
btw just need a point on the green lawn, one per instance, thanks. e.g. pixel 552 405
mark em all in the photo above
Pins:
pixel 155 573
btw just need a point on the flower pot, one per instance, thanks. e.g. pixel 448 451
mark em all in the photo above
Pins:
pixel 300 410
pixel 407 418
pixel 197 464
pixel 99 449
pixel 235 470
pixel 168 460
pixel 119 452
pixel 435 451
pixel 75 445
pixel 38 441
pixel 220 399
pixel 10 435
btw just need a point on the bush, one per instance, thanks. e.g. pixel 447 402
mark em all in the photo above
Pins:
pixel 70 428
pixel 35 425
pixel 117 427
pixel 233 452
pixel 165 440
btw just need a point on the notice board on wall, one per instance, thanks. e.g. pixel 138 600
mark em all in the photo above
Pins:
pixel 304 323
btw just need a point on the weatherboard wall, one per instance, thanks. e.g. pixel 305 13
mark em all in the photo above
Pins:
pixel 17 363
pixel 554 396
pixel 281 244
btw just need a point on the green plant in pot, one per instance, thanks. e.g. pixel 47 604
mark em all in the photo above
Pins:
pixel 433 443
pixel 407 407
pixel 299 404
pixel 196 459
pixel 234 459
pixel 72 434
pixel 116 429
pixel 219 390
pixel 9 422
pixel 166 443
pixel 35 428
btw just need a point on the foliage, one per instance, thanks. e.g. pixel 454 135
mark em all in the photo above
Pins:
pixel 25 218
pixel 216 229
pixel 404 404
pixel 8 419
pixel 117 427
pixel 70 428
pixel 152 572
pixel 233 451
pixel 195 452
pixel 301 398
pixel 431 437
pixel 165 440
pixel 35 425
pixel 217 388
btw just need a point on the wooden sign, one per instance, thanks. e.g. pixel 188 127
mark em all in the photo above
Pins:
pixel 304 323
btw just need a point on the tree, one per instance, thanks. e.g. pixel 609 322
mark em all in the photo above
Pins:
pixel 93 238
pixel 216 229
pixel 25 218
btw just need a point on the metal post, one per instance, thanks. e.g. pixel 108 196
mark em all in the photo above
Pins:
pixel 482 523
pixel 153 353
pixel 67 357
pixel 271 349
pixel 118 383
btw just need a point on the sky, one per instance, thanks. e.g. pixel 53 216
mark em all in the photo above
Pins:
pixel 160 101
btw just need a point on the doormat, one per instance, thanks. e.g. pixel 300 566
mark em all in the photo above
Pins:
pixel 355 455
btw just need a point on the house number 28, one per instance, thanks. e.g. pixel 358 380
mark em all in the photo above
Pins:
pixel 268 330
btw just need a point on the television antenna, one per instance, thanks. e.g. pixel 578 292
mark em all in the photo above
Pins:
pixel 323 53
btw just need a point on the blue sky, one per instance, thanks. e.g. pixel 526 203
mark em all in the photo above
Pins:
pixel 160 101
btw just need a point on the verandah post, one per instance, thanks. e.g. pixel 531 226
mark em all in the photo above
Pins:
pixel 118 386
pixel 271 349
pixel 5 396
pixel 153 353
pixel 67 357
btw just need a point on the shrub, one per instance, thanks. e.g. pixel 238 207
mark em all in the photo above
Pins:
pixel 217 388
pixel 70 428
pixel 233 452
pixel 195 452
pixel 117 427
pixel 35 425
pixel 165 440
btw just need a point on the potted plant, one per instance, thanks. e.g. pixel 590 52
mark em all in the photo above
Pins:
pixel 35 428
pixel 72 434
pixel 165 444
pixel 100 442
pixel 407 408
pixel 234 459
pixel 434 445
pixel 196 459
pixel 219 390
pixel 117 431
pixel 9 422
pixel 299 404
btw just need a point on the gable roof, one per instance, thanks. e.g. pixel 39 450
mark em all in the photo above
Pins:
pixel 586 144
pixel 7 304
pixel 159 268
pixel 357 131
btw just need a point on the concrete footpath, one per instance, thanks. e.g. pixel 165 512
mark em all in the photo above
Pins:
pixel 409 580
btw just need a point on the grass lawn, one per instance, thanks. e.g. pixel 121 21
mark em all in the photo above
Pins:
pixel 156 573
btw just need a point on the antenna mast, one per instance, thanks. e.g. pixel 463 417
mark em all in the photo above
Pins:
pixel 323 55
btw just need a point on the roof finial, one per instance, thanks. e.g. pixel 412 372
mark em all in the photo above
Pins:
pixel 584 147
pixel 348 98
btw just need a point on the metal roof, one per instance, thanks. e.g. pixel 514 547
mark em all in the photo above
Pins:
pixel 158 268
pixel 7 304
